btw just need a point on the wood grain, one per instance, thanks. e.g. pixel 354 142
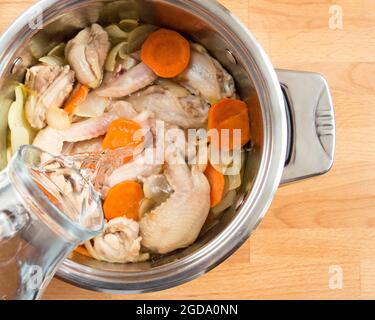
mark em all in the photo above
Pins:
pixel 319 223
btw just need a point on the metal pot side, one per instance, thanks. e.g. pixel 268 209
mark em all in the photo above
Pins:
pixel 227 39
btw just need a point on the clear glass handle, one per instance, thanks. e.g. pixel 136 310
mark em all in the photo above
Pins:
pixel 45 213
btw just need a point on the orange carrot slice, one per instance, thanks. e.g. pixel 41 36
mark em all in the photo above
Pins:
pixel 78 96
pixel 123 199
pixel 122 133
pixel 83 251
pixel 166 52
pixel 230 114
pixel 217 183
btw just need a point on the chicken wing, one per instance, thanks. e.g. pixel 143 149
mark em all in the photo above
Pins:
pixel 87 53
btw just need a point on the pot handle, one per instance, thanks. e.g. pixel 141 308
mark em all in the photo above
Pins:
pixel 311 125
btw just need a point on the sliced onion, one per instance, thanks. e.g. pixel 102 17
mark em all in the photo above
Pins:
pixel 58 51
pixel 214 158
pixel 198 47
pixel 16 116
pixel 94 106
pixel 127 61
pixel 226 203
pixel 9 153
pixel 146 206
pixel 157 188
pixel 115 32
pixel 225 162
pixel 235 168
pixel 234 182
pixel 40 45
pixel 128 25
pixel 52 61
pixel 4 109
pixel 220 168
pixel 58 119
pixel 20 130
pixel 110 63
pixel 138 36
pixel 20 136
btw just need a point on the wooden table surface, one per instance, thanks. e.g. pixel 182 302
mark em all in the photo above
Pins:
pixel 321 229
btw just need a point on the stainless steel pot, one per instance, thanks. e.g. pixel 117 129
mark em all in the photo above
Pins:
pixel 293 124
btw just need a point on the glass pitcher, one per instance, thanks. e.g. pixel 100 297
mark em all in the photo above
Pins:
pixel 45 213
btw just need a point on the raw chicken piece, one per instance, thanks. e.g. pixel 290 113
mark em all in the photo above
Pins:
pixel 172 103
pixel 151 160
pixel 52 140
pixel 49 87
pixel 122 65
pixel 119 243
pixel 207 76
pixel 128 111
pixel 93 106
pixel 125 82
pixel 87 53
pixel 176 140
pixel 88 146
pixel 139 169
pixel 177 223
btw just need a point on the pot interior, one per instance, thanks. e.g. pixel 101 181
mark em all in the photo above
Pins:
pixel 62 22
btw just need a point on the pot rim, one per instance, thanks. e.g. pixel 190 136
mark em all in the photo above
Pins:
pixel 254 206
